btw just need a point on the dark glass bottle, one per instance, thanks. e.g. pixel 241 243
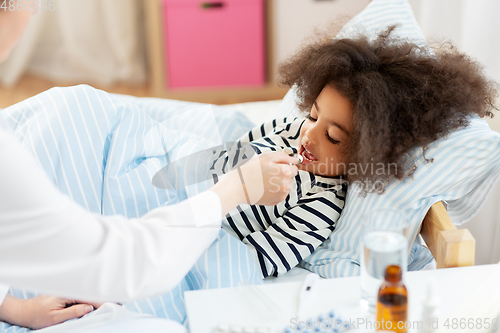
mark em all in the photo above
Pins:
pixel 392 302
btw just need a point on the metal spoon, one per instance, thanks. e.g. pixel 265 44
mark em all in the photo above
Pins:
pixel 290 153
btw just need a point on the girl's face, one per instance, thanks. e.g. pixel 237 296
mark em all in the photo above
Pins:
pixel 324 132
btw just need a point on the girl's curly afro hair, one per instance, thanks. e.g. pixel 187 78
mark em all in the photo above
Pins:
pixel 403 96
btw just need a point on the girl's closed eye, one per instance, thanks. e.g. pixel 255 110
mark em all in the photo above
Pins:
pixel 332 140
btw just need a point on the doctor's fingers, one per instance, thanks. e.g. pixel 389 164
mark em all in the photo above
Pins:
pixel 290 170
pixel 96 305
pixel 285 171
pixel 72 312
pixel 281 158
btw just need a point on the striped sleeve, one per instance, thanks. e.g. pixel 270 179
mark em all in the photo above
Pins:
pixel 266 129
pixel 294 236
pixel 228 158
pixel 267 137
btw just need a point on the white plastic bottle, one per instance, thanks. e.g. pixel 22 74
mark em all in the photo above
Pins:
pixel 430 305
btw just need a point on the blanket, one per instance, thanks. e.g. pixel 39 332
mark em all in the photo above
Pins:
pixel 102 150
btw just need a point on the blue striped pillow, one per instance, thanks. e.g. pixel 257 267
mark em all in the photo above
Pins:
pixel 465 168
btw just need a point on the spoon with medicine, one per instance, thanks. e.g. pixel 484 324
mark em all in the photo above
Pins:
pixel 291 153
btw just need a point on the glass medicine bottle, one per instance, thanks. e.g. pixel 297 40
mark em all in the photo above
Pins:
pixel 392 302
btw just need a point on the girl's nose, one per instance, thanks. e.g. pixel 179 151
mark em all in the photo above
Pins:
pixel 309 137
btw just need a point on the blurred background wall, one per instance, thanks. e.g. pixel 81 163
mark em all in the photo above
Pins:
pixel 472 25
pixel 93 41
pixel 102 42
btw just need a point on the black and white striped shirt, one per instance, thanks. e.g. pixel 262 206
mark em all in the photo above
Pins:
pixel 281 236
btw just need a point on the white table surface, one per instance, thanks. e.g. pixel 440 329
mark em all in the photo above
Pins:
pixel 462 291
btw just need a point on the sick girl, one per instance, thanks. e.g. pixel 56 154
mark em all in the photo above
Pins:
pixel 367 103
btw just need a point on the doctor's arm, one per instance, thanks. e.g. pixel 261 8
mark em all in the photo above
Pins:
pixel 52 245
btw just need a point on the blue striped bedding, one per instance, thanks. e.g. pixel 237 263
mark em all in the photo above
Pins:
pixel 102 150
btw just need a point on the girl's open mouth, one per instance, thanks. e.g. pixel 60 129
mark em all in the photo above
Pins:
pixel 307 155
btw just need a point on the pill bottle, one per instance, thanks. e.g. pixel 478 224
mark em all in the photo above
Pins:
pixel 392 302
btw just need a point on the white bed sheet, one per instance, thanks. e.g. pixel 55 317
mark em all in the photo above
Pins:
pixel 111 317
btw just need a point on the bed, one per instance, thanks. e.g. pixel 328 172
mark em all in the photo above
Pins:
pixel 236 270
pixel 132 132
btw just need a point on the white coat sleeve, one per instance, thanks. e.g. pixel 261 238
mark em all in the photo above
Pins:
pixel 50 244
pixel 4 289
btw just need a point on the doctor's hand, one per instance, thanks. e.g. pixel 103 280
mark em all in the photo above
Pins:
pixel 264 180
pixel 42 311
pixel 267 180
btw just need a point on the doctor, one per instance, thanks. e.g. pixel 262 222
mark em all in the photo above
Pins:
pixel 47 242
